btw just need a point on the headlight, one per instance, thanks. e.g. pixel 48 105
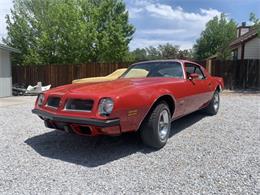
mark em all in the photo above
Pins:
pixel 40 100
pixel 106 106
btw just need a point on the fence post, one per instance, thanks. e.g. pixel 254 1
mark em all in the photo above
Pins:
pixel 208 65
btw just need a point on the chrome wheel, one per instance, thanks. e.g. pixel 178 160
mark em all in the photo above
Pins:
pixel 216 101
pixel 156 128
pixel 163 125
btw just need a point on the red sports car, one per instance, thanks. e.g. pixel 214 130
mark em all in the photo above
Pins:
pixel 146 98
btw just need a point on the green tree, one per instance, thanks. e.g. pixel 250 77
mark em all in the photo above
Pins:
pixel 215 39
pixel 168 51
pixel 139 55
pixel 69 31
pixel 256 22
pixel 114 32
pixel 185 54
pixel 153 53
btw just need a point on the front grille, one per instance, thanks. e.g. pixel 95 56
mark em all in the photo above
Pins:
pixel 53 102
pixel 79 105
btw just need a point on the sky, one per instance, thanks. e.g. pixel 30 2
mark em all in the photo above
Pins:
pixel 178 22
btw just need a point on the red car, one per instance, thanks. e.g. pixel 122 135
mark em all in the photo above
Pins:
pixel 146 98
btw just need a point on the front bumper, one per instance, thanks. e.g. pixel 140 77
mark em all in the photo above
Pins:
pixel 81 126
pixel 76 120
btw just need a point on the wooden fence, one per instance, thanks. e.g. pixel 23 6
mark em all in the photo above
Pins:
pixel 240 74
pixel 237 74
pixel 57 75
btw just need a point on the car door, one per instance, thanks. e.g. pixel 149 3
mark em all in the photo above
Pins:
pixel 197 89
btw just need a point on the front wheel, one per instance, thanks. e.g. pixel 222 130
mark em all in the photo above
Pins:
pixel 213 107
pixel 156 128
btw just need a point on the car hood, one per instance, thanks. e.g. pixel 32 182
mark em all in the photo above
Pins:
pixel 115 87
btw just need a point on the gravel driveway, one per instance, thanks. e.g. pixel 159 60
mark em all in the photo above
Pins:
pixel 205 155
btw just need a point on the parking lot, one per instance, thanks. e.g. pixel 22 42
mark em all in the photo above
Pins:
pixel 204 155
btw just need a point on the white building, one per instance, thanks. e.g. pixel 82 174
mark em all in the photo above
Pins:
pixel 5 70
pixel 246 45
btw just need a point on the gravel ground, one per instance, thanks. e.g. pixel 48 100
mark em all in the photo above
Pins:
pixel 205 155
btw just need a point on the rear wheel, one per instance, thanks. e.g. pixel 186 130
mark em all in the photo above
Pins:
pixel 156 128
pixel 213 107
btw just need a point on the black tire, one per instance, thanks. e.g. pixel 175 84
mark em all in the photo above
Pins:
pixel 151 133
pixel 213 107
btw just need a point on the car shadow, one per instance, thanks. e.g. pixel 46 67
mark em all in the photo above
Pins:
pixel 96 151
pixel 186 121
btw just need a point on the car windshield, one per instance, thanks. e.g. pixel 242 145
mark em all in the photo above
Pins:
pixel 155 69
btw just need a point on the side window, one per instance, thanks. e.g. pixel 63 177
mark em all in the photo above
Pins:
pixel 199 72
pixel 189 69
pixel 192 68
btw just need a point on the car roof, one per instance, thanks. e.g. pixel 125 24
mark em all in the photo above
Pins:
pixel 168 60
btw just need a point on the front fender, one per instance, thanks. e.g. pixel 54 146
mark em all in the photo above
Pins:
pixel 132 108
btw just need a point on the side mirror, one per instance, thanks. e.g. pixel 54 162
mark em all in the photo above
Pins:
pixel 193 76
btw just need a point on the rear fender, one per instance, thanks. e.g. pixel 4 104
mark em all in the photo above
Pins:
pixel 220 82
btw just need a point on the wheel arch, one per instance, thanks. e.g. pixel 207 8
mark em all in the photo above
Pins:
pixel 218 88
pixel 169 99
